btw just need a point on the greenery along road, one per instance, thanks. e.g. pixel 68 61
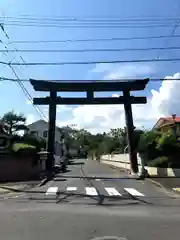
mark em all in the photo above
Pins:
pixel 157 148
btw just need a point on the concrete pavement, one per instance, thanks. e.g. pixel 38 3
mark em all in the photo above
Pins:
pixel 117 189
pixel 44 221
pixel 144 213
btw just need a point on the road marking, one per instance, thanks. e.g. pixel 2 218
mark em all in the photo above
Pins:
pixel 52 191
pixel 112 191
pixel 133 192
pixel 176 189
pixel 91 191
pixel 71 188
pixel 97 179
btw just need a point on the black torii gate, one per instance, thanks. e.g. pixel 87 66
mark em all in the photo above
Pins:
pixel 90 87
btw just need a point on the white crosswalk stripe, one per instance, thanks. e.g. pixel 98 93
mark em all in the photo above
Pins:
pixel 91 191
pixel 112 191
pixel 71 188
pixel 52 191
pixel 133 192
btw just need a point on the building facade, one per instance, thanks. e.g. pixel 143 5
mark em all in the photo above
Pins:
pixel 40 129
pixel 166 123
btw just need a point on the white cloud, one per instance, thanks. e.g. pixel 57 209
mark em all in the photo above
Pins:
pixel 120 71
pixel 102 67
pixel 129 71
pixel 98 118
pixel 115 95
pixel 59 109
pixel 28 102
pixel 163 102
pixel 167 99
pixel 30 119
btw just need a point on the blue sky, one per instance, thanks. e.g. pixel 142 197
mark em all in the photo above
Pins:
pixel 12 96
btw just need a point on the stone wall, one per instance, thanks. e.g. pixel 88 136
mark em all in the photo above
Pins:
pixel 19 169
pixel 122 161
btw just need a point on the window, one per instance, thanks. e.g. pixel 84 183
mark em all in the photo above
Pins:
pixel 35 133
pixel 45 134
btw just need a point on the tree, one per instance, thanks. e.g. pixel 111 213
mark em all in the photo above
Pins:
pixel 120 138
pixel 16 122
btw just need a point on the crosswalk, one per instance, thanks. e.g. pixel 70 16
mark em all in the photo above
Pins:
pixel 92 191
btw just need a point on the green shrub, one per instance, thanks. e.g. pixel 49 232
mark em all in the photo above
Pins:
pixel 168 144
pixel 147 139
pixel 159 162
pixel 39 143
pixel 23 150
pixel 19 146
pixel 147 144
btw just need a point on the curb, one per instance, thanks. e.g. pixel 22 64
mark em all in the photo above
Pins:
pixel 117 168
pixel 125 170
pixel 156 183
pixel 43 182
pixel 10 190
pixel 170 193
pixel 176 191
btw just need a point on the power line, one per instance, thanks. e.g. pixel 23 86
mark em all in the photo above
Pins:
pixel 92 40
pixel 174 27
pixel 128 79
pixel 90 62
pixel 80 22
pixel 90 50
pixel 27 94
pixel 108 25
pixel 89 19
pixel 94 16
pixel 25 91
pixel 173 30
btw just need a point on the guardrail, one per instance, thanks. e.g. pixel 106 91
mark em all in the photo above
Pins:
pixel 122 161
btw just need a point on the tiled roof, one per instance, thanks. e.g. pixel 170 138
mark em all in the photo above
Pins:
pixel 166 121
pixel 177 119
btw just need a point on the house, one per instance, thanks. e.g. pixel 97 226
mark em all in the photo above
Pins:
pixel 166 123
pixel 40 129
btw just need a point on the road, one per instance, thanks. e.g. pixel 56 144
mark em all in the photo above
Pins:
pixel 118 189
pixel 128 208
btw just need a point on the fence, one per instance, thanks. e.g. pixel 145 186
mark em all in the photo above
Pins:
pixel 122 161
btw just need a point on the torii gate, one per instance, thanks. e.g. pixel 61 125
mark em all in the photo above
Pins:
pixel 90 87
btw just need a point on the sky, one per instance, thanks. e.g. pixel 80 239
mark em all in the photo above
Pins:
pixel 163 97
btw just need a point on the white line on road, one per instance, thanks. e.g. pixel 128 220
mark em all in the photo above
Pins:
pixel 91 191
pixel 71 188
pixel 112 191
pixel 133 192
pixel 52 191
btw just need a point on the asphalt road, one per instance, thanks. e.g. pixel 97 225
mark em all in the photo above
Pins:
pixel 108 187
pixel 124 208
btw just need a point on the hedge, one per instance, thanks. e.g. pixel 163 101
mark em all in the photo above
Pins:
pixel 160 149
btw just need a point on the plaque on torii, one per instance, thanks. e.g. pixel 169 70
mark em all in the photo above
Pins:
pixel 89 87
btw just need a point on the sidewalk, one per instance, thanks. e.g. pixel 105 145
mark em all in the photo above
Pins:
pixel 171 184
pixel 8 189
